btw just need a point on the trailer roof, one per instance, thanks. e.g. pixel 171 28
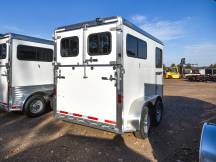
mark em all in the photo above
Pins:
pixel 97 22
pixel 26 38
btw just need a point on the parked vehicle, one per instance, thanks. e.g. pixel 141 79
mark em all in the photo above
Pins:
pixel 209 75
pixel 108 75
pixel 172 73
pixel 26 73
pixel 207 151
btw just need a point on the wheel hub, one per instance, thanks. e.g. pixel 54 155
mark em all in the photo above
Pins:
pixel 36 106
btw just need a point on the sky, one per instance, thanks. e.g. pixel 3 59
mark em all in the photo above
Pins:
pixel 187 27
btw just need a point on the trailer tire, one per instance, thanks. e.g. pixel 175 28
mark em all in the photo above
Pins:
pixel 145 123
pixel 157 113
pixel 35 106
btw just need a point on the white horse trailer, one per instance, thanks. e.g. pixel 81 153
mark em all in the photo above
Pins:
pixel 26 73
pixel 108 75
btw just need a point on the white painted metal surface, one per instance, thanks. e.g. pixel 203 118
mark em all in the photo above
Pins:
pixel 30 73
pixel 140 79
pixel 90 96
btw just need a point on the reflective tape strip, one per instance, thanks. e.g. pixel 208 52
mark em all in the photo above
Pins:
pixel 87 117
pixel 92 118
pixel 77 115
pixel 63 112
pixel 109 121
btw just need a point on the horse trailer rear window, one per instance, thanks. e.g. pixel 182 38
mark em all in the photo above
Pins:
pixel 3 51
pixel 30 53
pixel 159 57
pixel 99 44
pixel 136 48
pixel 70 47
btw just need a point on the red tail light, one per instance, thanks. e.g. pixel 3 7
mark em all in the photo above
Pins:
pixel 120 99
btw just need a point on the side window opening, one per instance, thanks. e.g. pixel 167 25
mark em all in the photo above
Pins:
pixel 132 46
pixel 3 51
pixel 158 58
pixel 44 54
pixel 99 44
pixel 30 53
pixel 142 49
pixel 70 47
pixel 136 47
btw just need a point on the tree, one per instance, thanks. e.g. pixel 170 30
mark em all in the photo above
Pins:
pixel 165 67
pixel 212 66
pixel 173 65
pixel 188 66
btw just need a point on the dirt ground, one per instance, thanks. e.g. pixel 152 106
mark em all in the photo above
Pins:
pixel 187 106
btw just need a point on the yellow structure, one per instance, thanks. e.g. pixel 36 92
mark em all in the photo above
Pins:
pixel 172 73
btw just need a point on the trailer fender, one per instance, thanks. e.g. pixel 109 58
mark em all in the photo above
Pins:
pixel 136 109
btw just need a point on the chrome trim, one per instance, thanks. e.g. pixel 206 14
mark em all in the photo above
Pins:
pixel 3 106
pixel 21 94
pixel 54 99
pixel 207 152
pixel 10 44
pixel 89 23
pixel 137 29
pixel 88 123
pixel 134 115
pixel 119 74
pixel 115 19
pixel 27 38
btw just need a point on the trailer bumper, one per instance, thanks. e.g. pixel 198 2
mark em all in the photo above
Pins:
pixel 87 122
pixel 4 106
pixel 7 108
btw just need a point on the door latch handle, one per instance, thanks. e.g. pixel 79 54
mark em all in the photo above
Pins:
pixel 91 60
pixel 4 75
pixel 60 77
pixel 111 78
pixel 104 78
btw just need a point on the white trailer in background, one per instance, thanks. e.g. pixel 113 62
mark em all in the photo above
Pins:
pixel 26 73
pixel 108 75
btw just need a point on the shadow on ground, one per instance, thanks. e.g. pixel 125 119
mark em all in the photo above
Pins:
pixel 178 136
pixel 81 148
pixel 46 139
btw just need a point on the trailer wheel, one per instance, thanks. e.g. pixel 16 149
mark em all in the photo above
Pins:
pixel 145 123
pixel 157 113
pixel 35 106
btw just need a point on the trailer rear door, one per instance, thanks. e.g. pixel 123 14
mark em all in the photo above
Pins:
pixel 86 86
pixel 3 74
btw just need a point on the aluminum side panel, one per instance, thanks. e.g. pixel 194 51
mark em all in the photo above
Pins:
pixel 20 94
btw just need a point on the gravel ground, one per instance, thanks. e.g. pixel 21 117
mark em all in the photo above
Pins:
pixel 187 106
